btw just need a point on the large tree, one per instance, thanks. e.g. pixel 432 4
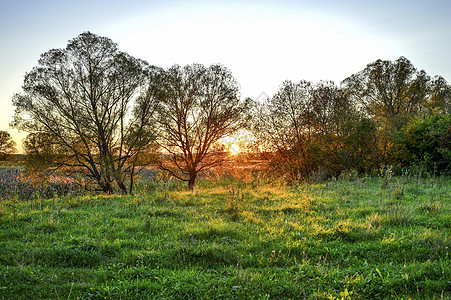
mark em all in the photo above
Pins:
pixel 7 145
pixel 195 107
pixel 79 98
pixel 391 92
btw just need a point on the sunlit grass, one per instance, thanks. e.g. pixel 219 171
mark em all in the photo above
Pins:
pixel 342 239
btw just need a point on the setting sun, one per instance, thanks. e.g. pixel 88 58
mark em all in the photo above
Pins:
pixel 234 149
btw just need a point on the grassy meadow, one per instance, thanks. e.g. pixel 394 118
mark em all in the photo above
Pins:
pixel 377 237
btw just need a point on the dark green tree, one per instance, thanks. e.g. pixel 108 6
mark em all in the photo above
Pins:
pixel 389 90
pixel 359 147
pixel 426 141
pixel 332 112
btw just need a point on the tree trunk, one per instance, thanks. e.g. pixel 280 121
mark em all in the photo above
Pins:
pixel 191 181
pixel 132 181
pixel 106 187
pixel 122 186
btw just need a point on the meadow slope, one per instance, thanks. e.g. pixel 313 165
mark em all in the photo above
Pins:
pixel 350 238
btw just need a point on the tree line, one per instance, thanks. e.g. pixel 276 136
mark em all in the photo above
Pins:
pixel 387 114
pixel 92 109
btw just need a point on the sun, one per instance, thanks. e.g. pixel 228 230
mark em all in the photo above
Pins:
pixel 234 149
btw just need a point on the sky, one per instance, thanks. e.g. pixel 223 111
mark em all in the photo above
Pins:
pixel 262 42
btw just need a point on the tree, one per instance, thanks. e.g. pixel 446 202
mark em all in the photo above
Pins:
pixel 279 126
pixel 426 141
pixel 79 98
pixel 392 92
pixel 440 96
pixel 359 149
pixel 332 113
pixel 40 150
pixel 7 145
pixel 331 108
pixel 388 90
pixel 299 129
pixel 195 107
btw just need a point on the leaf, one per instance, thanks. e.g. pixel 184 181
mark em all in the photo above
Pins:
pixel 379 272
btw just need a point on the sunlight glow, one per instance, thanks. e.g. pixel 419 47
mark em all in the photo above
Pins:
pixel 234 149
pixel 262 43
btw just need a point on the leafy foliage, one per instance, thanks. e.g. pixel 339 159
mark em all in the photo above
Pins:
pixel 7 145
pixel 75 107
pixel 316 131
pixel 195 106
pixel 427 141
pixel 93 110
pixel 300 130
pixel 392 92
pixel 360 150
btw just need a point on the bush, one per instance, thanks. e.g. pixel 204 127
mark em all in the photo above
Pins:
pixel 426 141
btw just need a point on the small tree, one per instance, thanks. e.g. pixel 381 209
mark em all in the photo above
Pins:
pixel 7 145
pixel 78 98
pixel 359 145
pixel 195 107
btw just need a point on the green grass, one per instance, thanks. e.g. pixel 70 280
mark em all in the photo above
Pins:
pixel 344 239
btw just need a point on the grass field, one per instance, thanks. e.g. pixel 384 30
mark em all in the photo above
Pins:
pixel 351 238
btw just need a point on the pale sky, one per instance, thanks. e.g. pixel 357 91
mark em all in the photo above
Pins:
pixel 263 43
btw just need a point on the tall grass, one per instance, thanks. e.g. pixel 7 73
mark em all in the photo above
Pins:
pixel 15 184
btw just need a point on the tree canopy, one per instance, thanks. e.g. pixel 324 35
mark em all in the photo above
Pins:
pixel 392 92
pixel 78 98
pixel 7 145
pixel 92 109
pixel 299 127
pixel 195 107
